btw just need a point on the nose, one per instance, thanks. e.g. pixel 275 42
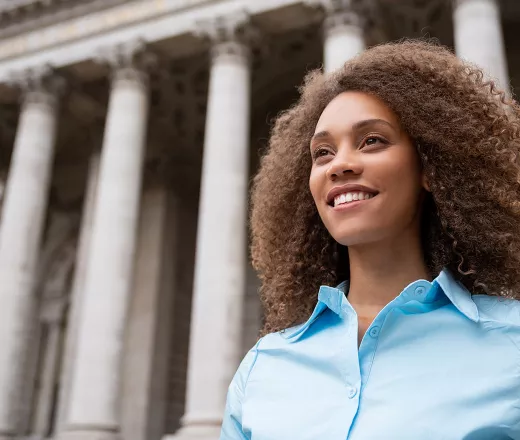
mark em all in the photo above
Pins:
pixel 342 166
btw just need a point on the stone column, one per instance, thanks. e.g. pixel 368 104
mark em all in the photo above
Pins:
pixel 145 390
pixel 23 220
pixel 93 406
pixel 221 238
pixel 343 32
pixel 77 289
pixel 479 39
pixel 51 336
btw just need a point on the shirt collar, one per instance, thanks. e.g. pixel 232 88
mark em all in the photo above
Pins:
pixel 459 296
pixel 333 298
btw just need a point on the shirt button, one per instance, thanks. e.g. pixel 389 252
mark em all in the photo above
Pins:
pixel 352 391
pixel 420 291
pixel 374 332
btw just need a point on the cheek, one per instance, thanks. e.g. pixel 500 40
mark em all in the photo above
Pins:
pixel 315 185
pixel 402 168
pixel 402 180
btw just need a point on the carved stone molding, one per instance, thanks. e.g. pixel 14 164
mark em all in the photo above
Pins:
pixel 457 3
pixel 230 35
pixel 332 6
pixel 229 27
pixel 231 48
pixel 17 16
pixel 339 13
pixel 129 61
pixel 41 84
pixel 340 19
pixel 19 6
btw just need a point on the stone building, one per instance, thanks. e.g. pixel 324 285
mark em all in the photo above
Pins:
pixel 114 116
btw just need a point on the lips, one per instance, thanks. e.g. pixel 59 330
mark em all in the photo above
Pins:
pixel 348 188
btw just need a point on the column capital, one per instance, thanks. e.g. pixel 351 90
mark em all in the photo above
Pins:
pixel 129 61
pixel 39 84
pixel 230 35
pixel 339 20
pixel 332 6
pixel 339 13
pixel 457 3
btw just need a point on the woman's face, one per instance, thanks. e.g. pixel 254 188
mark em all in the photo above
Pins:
pixel 366 177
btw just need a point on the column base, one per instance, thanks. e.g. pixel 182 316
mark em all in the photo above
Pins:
pixel 87 435
pixel 195 433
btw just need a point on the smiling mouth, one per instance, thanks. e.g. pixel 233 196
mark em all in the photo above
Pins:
pixel 351 197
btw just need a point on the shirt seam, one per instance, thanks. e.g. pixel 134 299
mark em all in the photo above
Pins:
pixel 500 322
pixel 376 344
pixel 363 385
pixel 255 348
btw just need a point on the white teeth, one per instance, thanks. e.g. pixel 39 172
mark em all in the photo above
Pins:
pixel 351 197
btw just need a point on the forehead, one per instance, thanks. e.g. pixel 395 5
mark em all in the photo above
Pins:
pixel 350 107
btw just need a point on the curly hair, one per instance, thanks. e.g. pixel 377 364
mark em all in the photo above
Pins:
pixel 467 135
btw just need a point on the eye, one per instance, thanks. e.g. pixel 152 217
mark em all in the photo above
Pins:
pixel 373 140
pixel 320 152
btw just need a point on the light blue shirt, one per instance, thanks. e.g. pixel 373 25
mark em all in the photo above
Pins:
pixel 436 363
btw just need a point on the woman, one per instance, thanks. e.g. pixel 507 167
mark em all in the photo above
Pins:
pixel 399 177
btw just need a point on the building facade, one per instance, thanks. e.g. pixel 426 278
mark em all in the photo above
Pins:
pixel 129 132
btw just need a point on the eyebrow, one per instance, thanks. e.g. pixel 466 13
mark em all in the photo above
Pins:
pixel 357 126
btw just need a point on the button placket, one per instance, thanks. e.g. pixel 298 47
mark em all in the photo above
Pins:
pixel 352 392
pixel 350 367
pixel 374 331
pixel 368 347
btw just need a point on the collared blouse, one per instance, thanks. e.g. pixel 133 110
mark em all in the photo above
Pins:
pixel 436 363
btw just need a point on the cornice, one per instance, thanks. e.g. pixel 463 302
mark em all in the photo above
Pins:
pixel 18 16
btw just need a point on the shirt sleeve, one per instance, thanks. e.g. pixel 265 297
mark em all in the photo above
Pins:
pixel 232 422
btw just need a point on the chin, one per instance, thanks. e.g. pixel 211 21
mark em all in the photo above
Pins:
pixel 358 236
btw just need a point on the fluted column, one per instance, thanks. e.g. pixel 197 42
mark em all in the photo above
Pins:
pixel 343 32
pixel 479 38
pixel 93 406
pixel 23 217
pixel 221 238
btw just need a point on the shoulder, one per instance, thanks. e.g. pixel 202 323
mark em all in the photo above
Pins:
pixel 499 321
pixel 245 367
pixel 494 309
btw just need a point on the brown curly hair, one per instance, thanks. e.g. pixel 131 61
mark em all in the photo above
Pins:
pixel 467 135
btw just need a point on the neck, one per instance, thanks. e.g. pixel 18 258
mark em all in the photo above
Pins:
pixel 380 271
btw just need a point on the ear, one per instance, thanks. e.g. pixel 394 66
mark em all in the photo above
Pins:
pixel 424 182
